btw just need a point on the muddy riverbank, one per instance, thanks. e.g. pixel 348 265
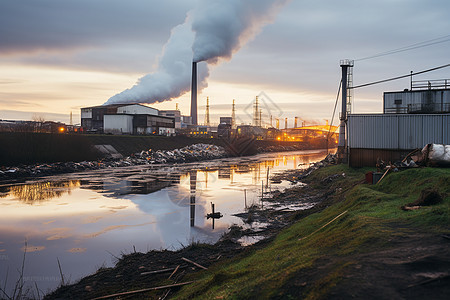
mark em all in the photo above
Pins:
pixel 86 219
pixel 347 242
pixel 262 222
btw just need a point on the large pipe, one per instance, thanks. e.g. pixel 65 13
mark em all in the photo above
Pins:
pixel 194 94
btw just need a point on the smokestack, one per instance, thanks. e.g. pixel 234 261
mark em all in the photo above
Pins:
pixel 194 94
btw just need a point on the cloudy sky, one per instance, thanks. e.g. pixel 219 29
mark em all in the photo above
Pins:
pixel 58 56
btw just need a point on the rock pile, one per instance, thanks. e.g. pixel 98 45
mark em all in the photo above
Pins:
pixel 190 153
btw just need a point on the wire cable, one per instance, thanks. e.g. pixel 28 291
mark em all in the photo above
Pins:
pixel 334 111
pixel 399 77
pixel 427 43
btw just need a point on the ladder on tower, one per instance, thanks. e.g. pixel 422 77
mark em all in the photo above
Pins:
pixel 349 89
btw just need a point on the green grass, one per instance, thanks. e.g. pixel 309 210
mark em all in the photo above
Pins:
pixel 373 216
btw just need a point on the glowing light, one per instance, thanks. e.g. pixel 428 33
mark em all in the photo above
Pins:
pixel 61 129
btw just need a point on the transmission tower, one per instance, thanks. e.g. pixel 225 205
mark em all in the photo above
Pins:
pixel 207 112
pixel 233 115
pixel 256 113
pixel 260 118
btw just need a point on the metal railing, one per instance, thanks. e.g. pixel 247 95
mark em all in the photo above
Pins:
pixel 430 84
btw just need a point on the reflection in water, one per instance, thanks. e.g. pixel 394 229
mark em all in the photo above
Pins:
pixel 152 208
pixel 193 185
pixel 41 191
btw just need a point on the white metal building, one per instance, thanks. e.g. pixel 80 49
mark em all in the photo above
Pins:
pixel 126 119
pixel 118 124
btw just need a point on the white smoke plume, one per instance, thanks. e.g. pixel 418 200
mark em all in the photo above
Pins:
pixel 214 30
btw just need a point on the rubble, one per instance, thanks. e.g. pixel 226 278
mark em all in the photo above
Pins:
pixel 192 153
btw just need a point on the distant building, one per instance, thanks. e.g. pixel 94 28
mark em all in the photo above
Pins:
pixel 186 121
pixel 176 114
pixel 226 120
pixel 126 119
pixel 36 126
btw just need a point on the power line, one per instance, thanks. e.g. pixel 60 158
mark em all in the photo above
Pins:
pixel 427 43
pixel 334 111
pixel 400 77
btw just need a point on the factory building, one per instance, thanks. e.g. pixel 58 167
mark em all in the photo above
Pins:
pixel 435 98
pixel 411 119
pixel 126 119
pixel 176 114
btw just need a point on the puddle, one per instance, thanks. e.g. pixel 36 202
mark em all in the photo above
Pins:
pixel 250 240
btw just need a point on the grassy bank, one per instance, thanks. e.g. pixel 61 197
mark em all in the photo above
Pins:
pixel 361 245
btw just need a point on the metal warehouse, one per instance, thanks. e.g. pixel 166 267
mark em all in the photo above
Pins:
pixel 392 136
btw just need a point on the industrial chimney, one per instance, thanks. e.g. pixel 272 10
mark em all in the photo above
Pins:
pixel 194 94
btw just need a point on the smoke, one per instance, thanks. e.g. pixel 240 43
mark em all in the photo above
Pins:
pixel 214 30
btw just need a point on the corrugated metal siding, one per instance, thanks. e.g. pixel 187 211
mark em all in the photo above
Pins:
pixel 446 130
pixel 397 131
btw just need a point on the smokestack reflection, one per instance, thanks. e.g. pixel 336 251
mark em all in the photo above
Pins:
pixel 193 186
pixel 194 94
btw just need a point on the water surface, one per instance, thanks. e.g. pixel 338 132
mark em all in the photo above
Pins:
pixel 85 220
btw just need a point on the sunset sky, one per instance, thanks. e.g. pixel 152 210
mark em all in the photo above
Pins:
pixel 58 56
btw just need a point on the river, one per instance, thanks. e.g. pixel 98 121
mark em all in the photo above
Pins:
pixel 73 224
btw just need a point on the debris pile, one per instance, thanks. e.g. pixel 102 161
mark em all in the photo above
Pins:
pixel 435 155
pixel 190 153
pixel 196 152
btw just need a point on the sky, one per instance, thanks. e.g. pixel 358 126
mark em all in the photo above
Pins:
pixel 58 56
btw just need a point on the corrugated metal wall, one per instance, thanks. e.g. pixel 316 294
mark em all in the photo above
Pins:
pixel 397 131
pixel 441 99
